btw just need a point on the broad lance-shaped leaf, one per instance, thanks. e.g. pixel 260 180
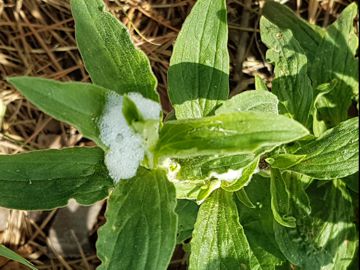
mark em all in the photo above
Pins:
pixel 335 154
pixel 141 224
pixel 48 179
pixel 78 104
pixel 309 36
pixel 232 133
pixel 199 67
pixel 324 239
pixel 109 55
pixel 8 253
pixel 258 101
pixel 335 59
pixel 218 239
pixel 258 224
pixel 291 83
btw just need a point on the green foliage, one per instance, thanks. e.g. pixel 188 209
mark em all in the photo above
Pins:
pixel 187 213
pixel 218 238
pixel 324 239
pixel 334 154
pixel 242 177
pixel 291 83
pixel 258 224
pixel 335 59
pixel 307 35
pixel 230 133
pixel 257 101
pixel 140 232
pixel 108 52
pixel 78 104
pixel 48 179
pixel 199 67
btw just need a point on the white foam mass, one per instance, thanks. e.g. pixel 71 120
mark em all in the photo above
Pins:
pixel 229 176
pixel 147 107
pixel 126 149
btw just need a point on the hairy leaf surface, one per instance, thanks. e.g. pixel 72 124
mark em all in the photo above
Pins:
pixel 258 224
pixel 258 101
pixel 335 59
pixel 291 83
pixel 78 104
pixel 49 178
pixel 218 239
pixel 326 239
pixel 109 55
pixel 141 224
pixel 233 133
pixel 199 67
pixel 335 154
pixel 309 36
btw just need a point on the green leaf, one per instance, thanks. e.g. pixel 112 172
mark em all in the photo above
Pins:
pixel 258 224
pixel 258 101
pixel 322 107
pixel 287 193
pixel 245 178
pixel 326 239
pixel 187 213
pixel 218 239
pixel 200 168
pixel 309 36
pixel 109 55
pixel 260 85
pixel 141 224
pixel 291 83
pixel 199 67
pixel 188 189
pixel 233 133
pixel 8 253
pixel 335 59
pixel 242 196
pixel 284 161
pixel 48 179
pixel 130 111
pixel 78 104
pixel 280 200
pixel 352 182
pixel 335 154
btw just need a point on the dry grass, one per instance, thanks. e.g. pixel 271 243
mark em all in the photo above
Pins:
pixel 37 39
